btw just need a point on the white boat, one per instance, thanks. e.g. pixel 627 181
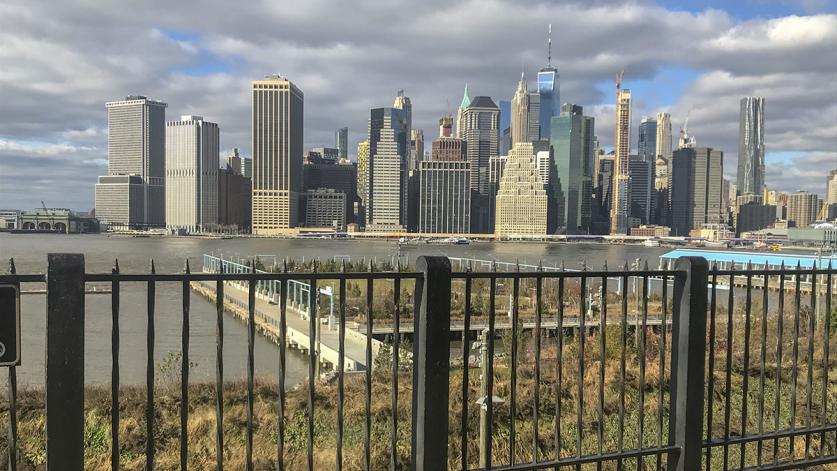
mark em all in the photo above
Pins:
pixel 651 243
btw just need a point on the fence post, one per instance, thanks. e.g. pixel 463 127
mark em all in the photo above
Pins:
pixel 65 362
pixel 687 363
pixel 431 364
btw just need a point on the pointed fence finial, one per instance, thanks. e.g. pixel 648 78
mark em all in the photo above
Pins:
pixel 12 268
pixel 186 267
pixel 153 270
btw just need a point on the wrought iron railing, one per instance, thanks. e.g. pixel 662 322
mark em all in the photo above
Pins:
pixel 586 380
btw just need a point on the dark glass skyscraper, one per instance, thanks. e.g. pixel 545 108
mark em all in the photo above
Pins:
pixel 341 142
pixel 571 140
pixel 647 143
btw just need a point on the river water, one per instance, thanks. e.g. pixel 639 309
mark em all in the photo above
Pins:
pixel 170 253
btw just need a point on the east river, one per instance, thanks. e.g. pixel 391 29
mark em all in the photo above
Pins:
pixel 169 254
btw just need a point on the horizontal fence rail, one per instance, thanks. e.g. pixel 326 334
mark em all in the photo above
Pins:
pixel 427 368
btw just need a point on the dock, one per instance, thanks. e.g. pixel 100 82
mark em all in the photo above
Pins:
pixel 267 316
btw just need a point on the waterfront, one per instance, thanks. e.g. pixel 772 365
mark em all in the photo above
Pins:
pixel 169 254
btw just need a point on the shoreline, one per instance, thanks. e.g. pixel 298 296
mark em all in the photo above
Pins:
pixel 419 239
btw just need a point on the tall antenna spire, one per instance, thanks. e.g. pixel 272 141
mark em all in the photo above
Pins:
pixel 549 48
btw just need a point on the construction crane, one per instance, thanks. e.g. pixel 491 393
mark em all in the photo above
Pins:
pixel 619 79
pixel 43 205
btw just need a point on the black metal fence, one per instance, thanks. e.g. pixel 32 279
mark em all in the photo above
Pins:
pixel 688 373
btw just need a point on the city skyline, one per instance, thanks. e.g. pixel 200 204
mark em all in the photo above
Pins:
pixel 205 67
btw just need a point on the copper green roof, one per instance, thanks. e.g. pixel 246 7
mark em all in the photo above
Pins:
pixel 466 102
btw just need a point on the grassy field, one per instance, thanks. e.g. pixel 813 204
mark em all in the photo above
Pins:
pixel 202 423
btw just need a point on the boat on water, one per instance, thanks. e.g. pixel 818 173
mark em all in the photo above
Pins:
pixel 651 243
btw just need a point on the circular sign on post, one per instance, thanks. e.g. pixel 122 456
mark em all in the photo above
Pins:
pixel 2 349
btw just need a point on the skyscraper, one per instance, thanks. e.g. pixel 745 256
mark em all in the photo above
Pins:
pixel 697 175
pixel 647 142
pixel 133 193
pixel 520 113
pixel 534 116
pixel 479 128
pixel 504 131
pixel 751 146
pixel 641 183
pixel 549 91
pixel 802 208
pixel 571 139
pixel 362 178
pixel 521 199
pixel 663 140
pixel 387 167
pixel 622 147
pixel 402 102
pixel 341 142
pixel 644 204
pixel 444 196
pixel 192 149
pixel 277 169
pixel 416 148
pixel 831 188
pixel 460 114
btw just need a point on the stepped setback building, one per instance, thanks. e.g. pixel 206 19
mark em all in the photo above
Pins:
pixel 521 199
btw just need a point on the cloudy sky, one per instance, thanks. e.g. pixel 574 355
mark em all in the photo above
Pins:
pixel 60 61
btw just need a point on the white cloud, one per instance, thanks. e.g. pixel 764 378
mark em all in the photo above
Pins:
pixel 65 60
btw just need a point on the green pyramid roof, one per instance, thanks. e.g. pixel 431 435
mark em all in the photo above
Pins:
pixel 466 102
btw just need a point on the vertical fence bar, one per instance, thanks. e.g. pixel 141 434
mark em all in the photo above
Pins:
pixel 602 362
pixel 710 387
pixel 466 347
pixel 184 371
pixel 763 351
pixel 728 369
pixel 251 339
pixel 489 381
pixel 513 380
pixel 779 346
pixel 809 391
pixel 396 353
pixel 745 399
pixel 283 339
pixel 149 373
pixel 661 380
pixel 341 352
pixel 825 359
pixel 622 360
pixel 797 295
pixel 114 369
pixel 12 392
pixel 367 429
pixel 687 359
pixel 582 337
pixel 65 362
pixel 537 336
pixel 313 360
pixel 431 364
pixel 219 372
pixel 643 339
pixel 559 362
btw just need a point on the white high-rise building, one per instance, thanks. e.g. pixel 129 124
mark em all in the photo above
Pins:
pixel 132 195
pixel 664 137
pixel 387 170
pixel 521 199
pixel 620 209
pixel 520 114
pixel 192 150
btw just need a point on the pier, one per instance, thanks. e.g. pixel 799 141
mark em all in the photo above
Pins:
pixel 297 312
